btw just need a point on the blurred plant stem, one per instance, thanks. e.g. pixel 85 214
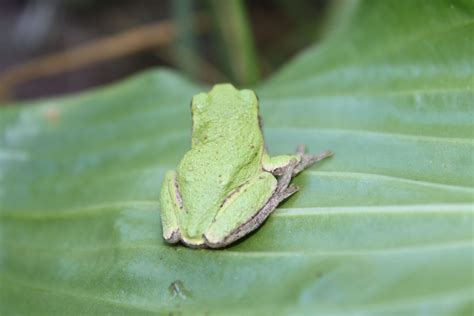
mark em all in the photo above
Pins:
pixel 114 46
pixel 184 47
pixel 236 35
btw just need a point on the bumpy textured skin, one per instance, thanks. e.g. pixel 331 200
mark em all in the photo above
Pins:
pixel 225 186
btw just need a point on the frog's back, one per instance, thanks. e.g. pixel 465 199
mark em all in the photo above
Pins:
pixel 227 147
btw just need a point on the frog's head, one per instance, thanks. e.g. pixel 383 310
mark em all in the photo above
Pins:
pixel 223 102
pixel 223 111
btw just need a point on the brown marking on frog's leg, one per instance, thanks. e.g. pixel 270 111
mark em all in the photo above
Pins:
pixel 307 160
pixel 285 177
pixel 283 190
pixel 232 194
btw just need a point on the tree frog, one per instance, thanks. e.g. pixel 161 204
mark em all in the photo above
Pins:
pixel 226 185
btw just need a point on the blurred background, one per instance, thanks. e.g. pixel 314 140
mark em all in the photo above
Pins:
pixel 55 47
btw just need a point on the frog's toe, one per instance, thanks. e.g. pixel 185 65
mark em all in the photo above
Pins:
pixel 300 150
pixel 193 243
pixel 174 237
pixel 209 243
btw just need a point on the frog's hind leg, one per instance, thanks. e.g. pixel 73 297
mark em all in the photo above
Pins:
pixel 238 219
pixel 170 202
pixel 283 190
pixel 239 208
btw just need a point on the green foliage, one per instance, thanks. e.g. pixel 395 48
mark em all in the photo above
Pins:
pixel 236 36
pixel 385 226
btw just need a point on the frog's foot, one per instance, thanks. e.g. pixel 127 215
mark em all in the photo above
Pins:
pixel 307 160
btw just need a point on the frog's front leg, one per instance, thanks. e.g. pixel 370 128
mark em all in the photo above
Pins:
pixel 307 160
pixel 170 202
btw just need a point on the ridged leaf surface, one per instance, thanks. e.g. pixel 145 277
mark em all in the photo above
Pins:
pixel 383 227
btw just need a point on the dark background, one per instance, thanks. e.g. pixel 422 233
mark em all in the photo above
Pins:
pixel 54 47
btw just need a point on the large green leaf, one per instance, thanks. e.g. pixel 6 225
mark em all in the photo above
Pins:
pixel 385 226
